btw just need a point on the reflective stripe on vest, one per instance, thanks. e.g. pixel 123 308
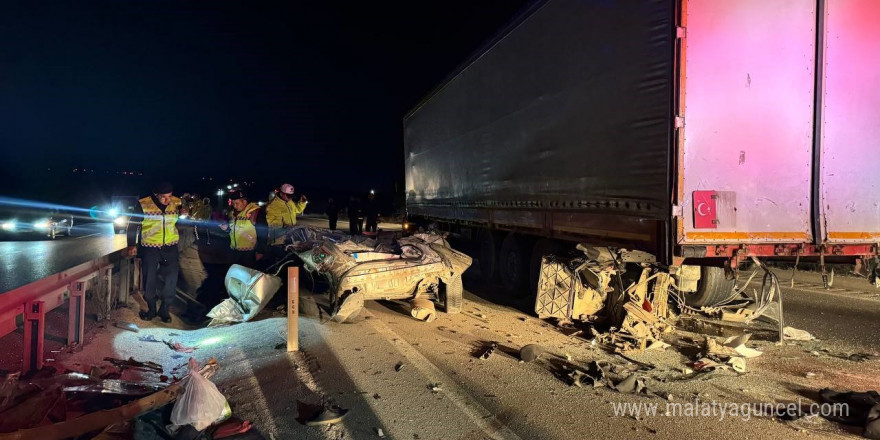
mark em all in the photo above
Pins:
pixel 243 236
pixel 159 228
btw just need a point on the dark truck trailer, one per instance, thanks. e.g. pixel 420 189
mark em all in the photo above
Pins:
pixel 701 131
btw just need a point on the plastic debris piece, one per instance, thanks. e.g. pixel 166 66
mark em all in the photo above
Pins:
pixel 327 416
pixel 125 325
pixel 489 350
pixel 380 433
pixel 399 366
pixel 738 364
pixel 794 334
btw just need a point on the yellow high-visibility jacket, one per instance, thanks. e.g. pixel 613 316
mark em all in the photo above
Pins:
pixel 280 216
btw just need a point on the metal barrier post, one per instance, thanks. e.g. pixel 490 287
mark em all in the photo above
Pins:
pixel 76 325
pixel 108 284
pixel 137 279
pixel 124 280
pixel 34 331
pixel 292 309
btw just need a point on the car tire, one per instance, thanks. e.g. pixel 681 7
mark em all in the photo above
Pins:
pixel 452 295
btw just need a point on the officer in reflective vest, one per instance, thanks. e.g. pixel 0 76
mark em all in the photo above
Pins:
pixel 244 239
pixel 153 227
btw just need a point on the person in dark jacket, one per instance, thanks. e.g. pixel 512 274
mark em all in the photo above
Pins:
pixel 371 212
pixel 332 213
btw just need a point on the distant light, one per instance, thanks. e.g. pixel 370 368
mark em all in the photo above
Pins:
pixel 9 226
pixel 113 212
pixel 372 191
pixel 183 216
pixel 42 224
pixel 260 203
pixel 236 185
pixel 228 186
pixel 119 221
pixel 219 192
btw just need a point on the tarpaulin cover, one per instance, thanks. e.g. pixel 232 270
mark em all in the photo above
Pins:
pixel 573 105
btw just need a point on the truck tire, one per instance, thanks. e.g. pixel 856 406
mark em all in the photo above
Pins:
pixel 487 255
pixel 713 288
pixel 513 267
pixel 451 295
pixel 543 246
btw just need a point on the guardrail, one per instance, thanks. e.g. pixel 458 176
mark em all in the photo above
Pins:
pixel 34 300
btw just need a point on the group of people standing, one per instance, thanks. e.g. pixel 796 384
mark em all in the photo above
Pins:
pixel 357 213
pixel 256 237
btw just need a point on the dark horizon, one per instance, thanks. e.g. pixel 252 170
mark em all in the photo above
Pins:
pixel 308 94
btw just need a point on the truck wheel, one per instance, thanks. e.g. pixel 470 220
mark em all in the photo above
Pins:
pixel 513 265
pixel 542 247
pixel 488 255
pixel 713 288
pixel 451 295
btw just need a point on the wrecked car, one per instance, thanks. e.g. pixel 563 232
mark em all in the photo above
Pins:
pixel 410 268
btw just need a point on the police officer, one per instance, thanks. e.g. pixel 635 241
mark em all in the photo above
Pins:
pixel 153 227
pixel 244 240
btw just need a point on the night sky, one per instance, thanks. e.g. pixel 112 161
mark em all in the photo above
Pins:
pixel 313 93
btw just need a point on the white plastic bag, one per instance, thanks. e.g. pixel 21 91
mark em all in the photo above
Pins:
pixel 201 403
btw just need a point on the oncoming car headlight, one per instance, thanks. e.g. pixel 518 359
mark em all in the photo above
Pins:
pixel 120 221
pixel 9 226
pixel 42 224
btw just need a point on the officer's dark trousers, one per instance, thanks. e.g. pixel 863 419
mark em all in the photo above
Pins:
pixel 155 262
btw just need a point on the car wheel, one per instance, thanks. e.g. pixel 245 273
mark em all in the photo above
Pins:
pixel 451 295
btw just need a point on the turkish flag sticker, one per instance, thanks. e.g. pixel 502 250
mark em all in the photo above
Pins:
pixel 705 215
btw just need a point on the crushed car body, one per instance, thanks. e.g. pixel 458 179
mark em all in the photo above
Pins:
pixel 422 266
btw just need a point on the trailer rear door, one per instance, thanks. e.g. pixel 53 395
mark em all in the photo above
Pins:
pixel 745 166
pixel 850 131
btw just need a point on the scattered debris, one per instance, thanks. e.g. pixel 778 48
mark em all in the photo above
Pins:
pixel 422 308
pixel 793 334
pixel 149 338
pixel 230 428
pixel 132 363
pixel 249 291
pixel 377 396
pixel 734 346
pixel 127 326
pixel 738 364
pixel 488 351
pixel 380 433
pixel 435 387
pixel 809 375
pixel 327 416
pixel 399 366
pixel 180 348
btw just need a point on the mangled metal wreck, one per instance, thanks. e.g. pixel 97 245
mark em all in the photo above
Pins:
pixel 590 288
pixel 416 268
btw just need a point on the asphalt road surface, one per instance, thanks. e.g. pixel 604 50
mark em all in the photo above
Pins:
pixel 25 261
